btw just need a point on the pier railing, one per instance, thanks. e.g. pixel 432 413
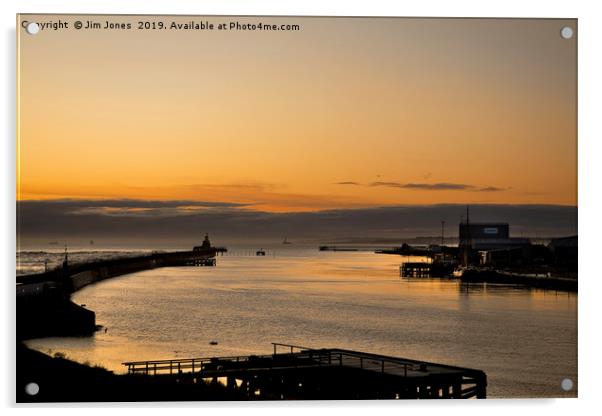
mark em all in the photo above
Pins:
pixel 117 266
pixel 294 357
pixel 402 378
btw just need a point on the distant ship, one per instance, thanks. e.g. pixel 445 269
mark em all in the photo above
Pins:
pixel 260 252
pixel 286 241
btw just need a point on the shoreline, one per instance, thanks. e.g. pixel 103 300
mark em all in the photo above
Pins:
pixel 44 305
pixel 63 380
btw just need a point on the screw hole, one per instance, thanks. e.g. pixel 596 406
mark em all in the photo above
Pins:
pixel 32 28
pixel 567 384
pixel 32 389
pixel 566 32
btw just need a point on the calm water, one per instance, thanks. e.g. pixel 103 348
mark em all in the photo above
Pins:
pixel 525 340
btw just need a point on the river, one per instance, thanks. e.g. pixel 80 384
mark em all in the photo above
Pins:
pixel 524 339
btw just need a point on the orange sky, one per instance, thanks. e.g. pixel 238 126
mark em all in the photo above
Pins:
pixel 400 107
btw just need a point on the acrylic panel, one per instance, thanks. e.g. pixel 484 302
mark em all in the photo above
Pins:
pixel 295 208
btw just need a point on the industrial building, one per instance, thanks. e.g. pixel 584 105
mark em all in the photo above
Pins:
pixel 490 244
pixel 489 236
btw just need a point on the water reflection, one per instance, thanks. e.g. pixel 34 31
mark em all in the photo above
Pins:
pixel 524 339
pixel 482 287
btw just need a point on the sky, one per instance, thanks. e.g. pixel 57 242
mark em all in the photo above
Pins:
pixel 345 113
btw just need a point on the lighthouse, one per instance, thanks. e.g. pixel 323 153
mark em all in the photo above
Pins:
pixel 206 243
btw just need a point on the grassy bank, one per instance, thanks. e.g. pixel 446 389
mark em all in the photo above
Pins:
pixel 63 380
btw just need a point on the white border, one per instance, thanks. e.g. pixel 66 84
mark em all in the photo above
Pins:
pixel 590 68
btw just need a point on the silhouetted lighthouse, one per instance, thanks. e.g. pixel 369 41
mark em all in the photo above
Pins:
pixel 206 242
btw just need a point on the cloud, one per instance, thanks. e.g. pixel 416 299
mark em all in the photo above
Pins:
pixel 425 186
pixel 491 189
pixel 390 184
pixel 130 207
pixel 439 186
pixel 130 203
pixel 157 223
pixel 348 183
pixel 143 212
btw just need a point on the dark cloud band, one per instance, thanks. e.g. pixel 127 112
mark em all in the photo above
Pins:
pixel 157 221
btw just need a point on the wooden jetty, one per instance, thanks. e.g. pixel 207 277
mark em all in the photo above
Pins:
pixel 424 269
pixel 306 373
pixel 506 277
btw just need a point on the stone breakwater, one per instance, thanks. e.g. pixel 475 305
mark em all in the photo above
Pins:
pixel 44 306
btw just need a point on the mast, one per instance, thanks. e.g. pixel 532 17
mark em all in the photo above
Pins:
pixel 66 259
pixel 467 239
pixel 442 239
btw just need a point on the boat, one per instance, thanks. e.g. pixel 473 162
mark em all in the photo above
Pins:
pixel 286 241
pixel 260 252
pixel 470 272
pixel 459 272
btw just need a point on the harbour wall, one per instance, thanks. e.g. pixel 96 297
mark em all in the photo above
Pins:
pixel 44 306
pixel 73 277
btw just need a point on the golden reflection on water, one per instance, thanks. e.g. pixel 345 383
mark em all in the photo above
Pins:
pixel 524 339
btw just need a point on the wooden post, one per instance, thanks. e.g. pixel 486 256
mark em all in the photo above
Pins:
pixel 231 383
pixel 456 390
pixel 480 387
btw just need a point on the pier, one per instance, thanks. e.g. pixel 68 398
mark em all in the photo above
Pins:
pixel 44 306
pixel 72 277
pixel 524 278
pixel 423 269
pixel 294 372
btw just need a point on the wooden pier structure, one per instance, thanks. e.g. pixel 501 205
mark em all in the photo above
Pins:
pixel 328 374
pixel 423 269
